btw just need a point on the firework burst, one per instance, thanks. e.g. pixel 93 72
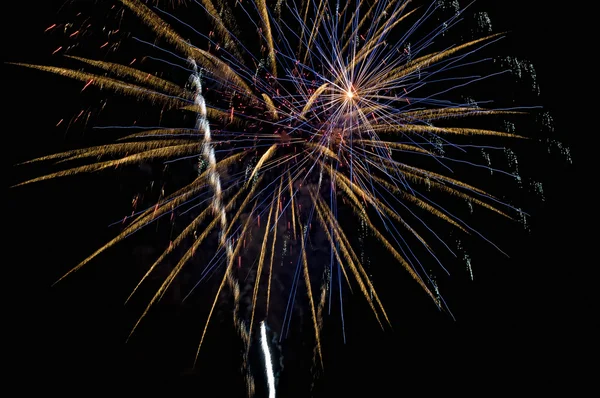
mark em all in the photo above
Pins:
pixel 318 109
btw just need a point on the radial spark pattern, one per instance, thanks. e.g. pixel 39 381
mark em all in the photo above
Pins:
pixel 303 112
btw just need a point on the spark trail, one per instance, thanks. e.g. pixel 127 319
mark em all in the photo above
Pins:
pixel 309 111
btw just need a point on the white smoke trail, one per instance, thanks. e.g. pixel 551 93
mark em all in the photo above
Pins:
pixel 208 153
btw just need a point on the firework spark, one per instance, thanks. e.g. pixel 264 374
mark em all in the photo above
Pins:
pixel 322 105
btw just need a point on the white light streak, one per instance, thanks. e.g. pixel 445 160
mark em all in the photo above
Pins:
pixel 268 361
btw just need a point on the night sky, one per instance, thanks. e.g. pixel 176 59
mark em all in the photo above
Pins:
pixel 523 324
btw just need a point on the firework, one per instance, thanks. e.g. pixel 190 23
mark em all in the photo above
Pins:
pixel 301 112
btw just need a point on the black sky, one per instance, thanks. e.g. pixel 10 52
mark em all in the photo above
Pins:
pixel 523 324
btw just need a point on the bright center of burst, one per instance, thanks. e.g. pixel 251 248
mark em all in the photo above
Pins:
pixel 349 94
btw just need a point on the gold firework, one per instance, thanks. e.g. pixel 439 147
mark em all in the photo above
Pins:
pixel 334 117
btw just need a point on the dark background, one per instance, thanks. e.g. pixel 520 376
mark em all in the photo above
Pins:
pixel 524 324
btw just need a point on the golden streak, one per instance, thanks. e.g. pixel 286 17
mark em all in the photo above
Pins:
pixel 336 253
pixel 261 261
pixel 174 272
pixel 420 129
pixel 320 315
pixel 315 28
pixel 377 204
pixel 323 149
pixel 420 203
pixel 351 258
pixel 448 113
pixel 266 156
pixel 264 15
pixel 401 260
pixel 431 59
pixel 363 19
pixel 163 132
pixel 381 32
pixel 333 244
pixel 270 106
pixel 222 164
pixel 110 149
pixel 124 149
pixel 138 75
pixel 456 193
pixel 310 295
pixel 425 177
pixel 112 84
pixel 147 155
pixel 291 186
pixel 184 234
pixel 302 27
pixel 426 174
pixel 339 232
pixel 312 99
pixel 190 252
pixel 385 242
pixel 385 144
pixel 162 29
pixel 168 204
pixel 222 31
